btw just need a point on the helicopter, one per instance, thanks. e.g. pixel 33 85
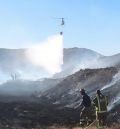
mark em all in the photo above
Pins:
pixel 62 23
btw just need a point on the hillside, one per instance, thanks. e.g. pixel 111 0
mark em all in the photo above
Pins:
pixel 59 105
pixel 14 61
pixel 81 58
pixel 67 91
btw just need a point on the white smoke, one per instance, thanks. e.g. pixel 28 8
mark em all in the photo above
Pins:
pixel 48 54
pixel 114 102
pixel 114 80
pixel 116 99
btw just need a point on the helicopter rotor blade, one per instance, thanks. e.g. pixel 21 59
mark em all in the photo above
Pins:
pixel 58 18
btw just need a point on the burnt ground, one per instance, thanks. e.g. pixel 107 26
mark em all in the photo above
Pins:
pixel 30 114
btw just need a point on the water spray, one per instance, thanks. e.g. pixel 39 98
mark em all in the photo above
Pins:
pixel 48 54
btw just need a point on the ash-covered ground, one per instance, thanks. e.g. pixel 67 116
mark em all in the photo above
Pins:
pixel 31 115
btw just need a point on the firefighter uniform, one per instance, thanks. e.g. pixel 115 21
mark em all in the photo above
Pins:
pixel 100 102
pixel 86 107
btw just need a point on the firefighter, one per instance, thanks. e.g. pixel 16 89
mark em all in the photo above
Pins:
pixel 100 103
pixel 85 107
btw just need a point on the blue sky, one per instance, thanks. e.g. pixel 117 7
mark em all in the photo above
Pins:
pixel 93 24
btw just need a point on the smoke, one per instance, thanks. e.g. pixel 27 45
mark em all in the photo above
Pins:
pixel 114 102
pixel 48 54
pixel 113 82
pixel 115 91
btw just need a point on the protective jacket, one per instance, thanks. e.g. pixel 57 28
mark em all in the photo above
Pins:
pixel 86 101
pixel 100 102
